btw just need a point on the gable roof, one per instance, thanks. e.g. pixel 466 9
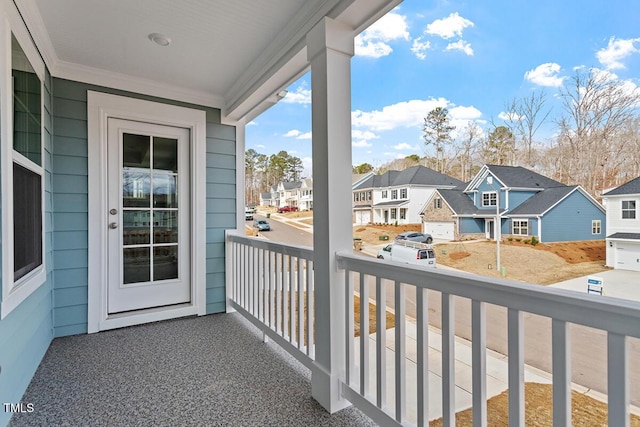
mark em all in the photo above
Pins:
pixel 460 203
pixel 514 177
pixel 631 187
pixel 291 185
pixel 415 175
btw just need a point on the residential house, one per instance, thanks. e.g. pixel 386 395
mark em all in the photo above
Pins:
pixel 269 198
pixel 306 195
pixel 397 196
pixel 623 226
pixel 288 193
pixel 525 203
pixel 103 126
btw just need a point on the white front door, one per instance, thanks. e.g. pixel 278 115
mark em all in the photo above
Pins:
pixel 149 216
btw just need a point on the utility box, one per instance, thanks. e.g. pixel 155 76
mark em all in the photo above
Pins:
pixel 595 285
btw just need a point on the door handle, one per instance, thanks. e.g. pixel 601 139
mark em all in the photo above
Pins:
pixel 113 225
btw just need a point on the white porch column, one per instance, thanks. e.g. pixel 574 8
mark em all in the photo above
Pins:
pixel 329 50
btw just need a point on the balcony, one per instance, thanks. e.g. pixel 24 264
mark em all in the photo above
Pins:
pixel 258 366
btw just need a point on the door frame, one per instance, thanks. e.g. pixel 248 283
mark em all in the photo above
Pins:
pixel 102 106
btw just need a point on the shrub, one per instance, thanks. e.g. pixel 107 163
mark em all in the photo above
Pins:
pixel 534 241
pixel 518 240
pixel 510 239
pixel 526 242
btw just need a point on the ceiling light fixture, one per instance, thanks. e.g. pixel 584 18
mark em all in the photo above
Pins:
pixel 159 39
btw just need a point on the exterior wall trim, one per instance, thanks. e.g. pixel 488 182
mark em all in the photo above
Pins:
pixel 101 106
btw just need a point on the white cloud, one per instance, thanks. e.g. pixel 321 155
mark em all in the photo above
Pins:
pixel 394 155
pixel 403 114
pixel 508 116
pixel 306 135
pixel 361 144
pixel 462 46
pixel 406 146
pixel 448 27
pixel 420 48
pixel 617 50
pixel 260 146
pixel 545 75
pixel 252 123
pixel 307 164
pixel 292 133
pixel 373 42
pixel 465 113
pixel 301 95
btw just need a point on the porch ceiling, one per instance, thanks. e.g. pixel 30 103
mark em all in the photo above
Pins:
pixel 232 55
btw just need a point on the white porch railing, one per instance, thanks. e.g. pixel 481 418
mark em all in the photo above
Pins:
pixel 619 319
pixel 269 282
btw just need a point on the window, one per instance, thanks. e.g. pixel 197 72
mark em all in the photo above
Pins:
pixel 628 209
pixel 369 195
pixel 403 213
pixel 393 213
pixel 489 198
pixel 394 194
pixel 384 194
pixel 23 176
pixel 403 193
pixel 596 226
pixel 437 203
pixel 520 228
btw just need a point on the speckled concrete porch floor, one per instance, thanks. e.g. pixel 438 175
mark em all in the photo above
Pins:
pixel 207 371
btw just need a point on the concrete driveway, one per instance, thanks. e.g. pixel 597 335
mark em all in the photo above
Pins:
pixel 622 284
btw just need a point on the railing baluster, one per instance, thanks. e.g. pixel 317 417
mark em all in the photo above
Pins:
pixel 279 285
pixel 381 344
pixel 256 282
pixel 422 319
pixel 401 359
pixel 448 362
pixel 479 362
pixel 349 322
pixel 300 287
pixel 617 380
pixel 364 336
pixel 286 287
pixel 250 277
pixel 310 310
pixel 515 343
pixel 561 365
pixel 270 290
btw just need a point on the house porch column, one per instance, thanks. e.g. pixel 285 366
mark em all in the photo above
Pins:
pixel 329 50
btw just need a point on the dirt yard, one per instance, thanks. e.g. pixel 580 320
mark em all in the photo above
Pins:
pixel 540 264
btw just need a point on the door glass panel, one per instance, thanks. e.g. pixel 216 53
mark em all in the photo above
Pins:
pixel 165 154
pixel 165 262
pixel 136 227
pixel 136 151
pixel 135 189
pixel 165 227
pixel 137 265
pixel 164 191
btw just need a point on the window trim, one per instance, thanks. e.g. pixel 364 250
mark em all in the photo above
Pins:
pixel 519 221
pixel 596 223
pixel 15 292
pixel 489 193
pixel 628 210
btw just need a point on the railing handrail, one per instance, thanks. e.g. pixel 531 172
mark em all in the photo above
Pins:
pixel 605 313
pixel 303 252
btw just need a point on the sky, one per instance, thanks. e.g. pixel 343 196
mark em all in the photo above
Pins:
pixel 470 57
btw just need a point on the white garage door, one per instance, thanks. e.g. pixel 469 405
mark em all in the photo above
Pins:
pixel 363 217
pixel 628 256
pixel 439 230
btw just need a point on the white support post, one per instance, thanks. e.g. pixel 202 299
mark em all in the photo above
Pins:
pixel 329 50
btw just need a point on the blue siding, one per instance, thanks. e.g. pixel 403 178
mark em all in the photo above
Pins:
pixel 70 203
pixel 25 334
pixel 516 198
pixel 571 220
pixel 221 208
pixel 471 226
pixel 484 187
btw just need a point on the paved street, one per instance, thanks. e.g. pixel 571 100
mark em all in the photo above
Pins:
pixel 589 361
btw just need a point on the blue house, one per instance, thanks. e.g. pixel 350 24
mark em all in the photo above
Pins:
pixel 523 202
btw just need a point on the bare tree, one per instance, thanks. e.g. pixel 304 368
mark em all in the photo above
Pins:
pixel 597 107
pixel 525 116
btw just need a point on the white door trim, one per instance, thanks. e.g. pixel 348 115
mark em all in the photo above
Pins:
pixel 101 106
